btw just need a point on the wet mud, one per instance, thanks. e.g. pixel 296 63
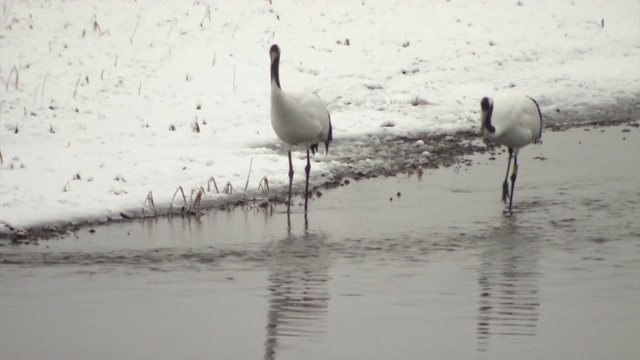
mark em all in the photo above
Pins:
pixel 353 159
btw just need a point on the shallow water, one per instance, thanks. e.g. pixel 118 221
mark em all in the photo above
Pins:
pixel 396 267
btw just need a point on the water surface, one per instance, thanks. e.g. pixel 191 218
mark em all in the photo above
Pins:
pixel 396 267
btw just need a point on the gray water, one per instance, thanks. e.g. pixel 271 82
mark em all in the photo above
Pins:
pixel 396 267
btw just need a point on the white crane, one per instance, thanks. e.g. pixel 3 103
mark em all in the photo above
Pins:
pixel 298 118
pixel 512 120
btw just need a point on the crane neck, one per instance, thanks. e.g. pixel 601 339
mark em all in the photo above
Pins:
pixel 275 71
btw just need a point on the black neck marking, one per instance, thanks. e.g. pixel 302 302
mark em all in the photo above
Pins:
pixel 275 68
pixel 487 110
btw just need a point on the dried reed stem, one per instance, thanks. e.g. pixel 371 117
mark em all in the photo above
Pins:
pixel 173 22
pixel 184 198
pixel 134 30
pixel 212 180
pixel 14 69
pixel 246 185
pixel 44 82
pixel 207 15
pixel 77 84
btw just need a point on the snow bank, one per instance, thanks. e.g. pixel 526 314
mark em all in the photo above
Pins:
pixel 104 102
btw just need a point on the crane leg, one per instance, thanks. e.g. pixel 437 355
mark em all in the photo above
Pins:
pixel 290 182
pixel 514 175
pixel 307 170
pixel 505 184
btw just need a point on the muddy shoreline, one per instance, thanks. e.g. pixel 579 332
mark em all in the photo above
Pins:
pixel 418 153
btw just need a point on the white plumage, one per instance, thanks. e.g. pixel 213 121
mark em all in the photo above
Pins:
pixel 512 120
pixel 298 118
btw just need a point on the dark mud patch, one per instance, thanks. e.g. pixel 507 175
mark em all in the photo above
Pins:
pixel 385 155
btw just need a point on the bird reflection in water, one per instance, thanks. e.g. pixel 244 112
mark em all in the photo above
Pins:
pixel 508 283
pixel 298 290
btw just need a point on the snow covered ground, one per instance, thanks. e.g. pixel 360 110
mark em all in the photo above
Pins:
pixel 103 102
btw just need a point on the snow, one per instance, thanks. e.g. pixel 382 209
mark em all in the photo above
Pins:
pixel 109 93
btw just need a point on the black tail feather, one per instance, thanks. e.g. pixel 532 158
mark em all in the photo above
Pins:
pixel 539 138
pixel 330 137
pixel 314 147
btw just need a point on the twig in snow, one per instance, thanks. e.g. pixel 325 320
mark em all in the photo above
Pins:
pixel 246 185
pixel 173 22
pixel 234 31
pixel 14 69
pixel 134 30
pixel 215 186
pixel 264 185
pixel 196 127
pixel 184 198
pixel 6 9
pixel 195 203
pixel 96 26
pixel 1 159
pixel 206 15
pixel 77 84
pixel 228 189
pixel 213 63
pixel 149 200
pixel 140 88
pixel 44 82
